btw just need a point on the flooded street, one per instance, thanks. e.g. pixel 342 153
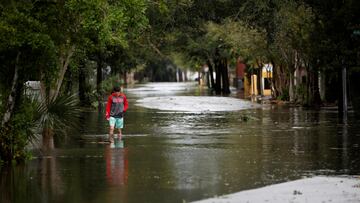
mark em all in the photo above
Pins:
pixel 186 155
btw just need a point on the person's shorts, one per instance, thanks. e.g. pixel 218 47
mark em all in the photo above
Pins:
pixel 116 122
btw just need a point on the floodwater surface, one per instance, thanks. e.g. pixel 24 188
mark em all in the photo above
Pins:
pixel 182 156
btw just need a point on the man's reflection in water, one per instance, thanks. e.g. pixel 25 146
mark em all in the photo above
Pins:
pixel 116 166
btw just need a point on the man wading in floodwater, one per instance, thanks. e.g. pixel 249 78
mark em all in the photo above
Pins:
pixel 115 108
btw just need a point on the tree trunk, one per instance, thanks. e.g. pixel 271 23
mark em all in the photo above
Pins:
pixel 315 99
pixel 225 77
pixel 211 75
pixel 291 86
pixel 317 95
pixel 125 78
pixel 99 77
pixel 180 75
pixel 273 84
pixel 278 80
pixel 343 103
pixel 260 82
pixel 82 84
pixel 218 76
pixel 307 95
pixel 12 96
pixel 69 83
pixel 64 63
pixel 47 140
pixel 207 78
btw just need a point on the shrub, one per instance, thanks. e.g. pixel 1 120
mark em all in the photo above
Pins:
pixel 16 135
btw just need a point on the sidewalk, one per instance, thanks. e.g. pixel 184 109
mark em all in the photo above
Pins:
pixel 317 189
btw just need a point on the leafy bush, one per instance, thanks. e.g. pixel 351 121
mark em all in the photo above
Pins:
pixel 29 119
pixel 17 134
pixel 285 95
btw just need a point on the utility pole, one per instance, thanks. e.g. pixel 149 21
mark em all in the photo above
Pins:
pixel 344 95
pixel 344 89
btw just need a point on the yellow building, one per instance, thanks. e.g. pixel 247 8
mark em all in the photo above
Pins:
pixel 251 86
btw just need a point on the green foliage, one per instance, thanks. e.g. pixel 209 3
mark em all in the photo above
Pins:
pixel 50 33
pixel 33 115
pixel 294 26
pixel 17 134
pixel 239 39
pixel 53 30
pixel 285 95
pixel 232 38
pixel 59 113
pixel 180 59
pixel 18 27
pixel 108 84
pixel 21 32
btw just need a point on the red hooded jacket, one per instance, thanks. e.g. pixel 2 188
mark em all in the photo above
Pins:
pixel 117 98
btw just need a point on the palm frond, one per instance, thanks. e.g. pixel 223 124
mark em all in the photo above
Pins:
pixel 60 114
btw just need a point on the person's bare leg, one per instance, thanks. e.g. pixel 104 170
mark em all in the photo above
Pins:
pixel 111 134
pixel 119 134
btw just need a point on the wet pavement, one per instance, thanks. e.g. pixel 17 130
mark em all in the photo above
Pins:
pixel 314 189
pixel 183 156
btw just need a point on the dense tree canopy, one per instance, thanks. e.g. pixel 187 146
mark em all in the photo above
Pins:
pixel 51 34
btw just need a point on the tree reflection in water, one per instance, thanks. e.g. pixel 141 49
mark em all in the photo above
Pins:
pixel 23 184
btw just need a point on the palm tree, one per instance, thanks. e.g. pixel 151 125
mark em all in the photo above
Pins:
pixel 55 116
